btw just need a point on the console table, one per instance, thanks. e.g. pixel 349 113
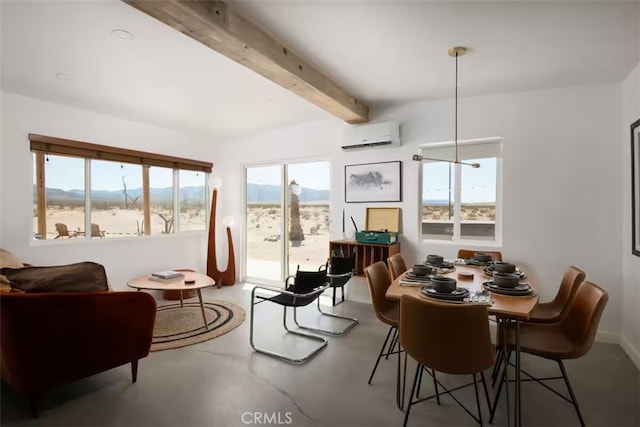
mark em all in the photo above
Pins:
pixel 366 253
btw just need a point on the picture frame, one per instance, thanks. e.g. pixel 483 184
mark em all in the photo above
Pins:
pixel 635 188
pixel 373 182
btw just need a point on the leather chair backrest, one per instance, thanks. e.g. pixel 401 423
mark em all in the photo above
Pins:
pixel 469 254
pixel 342 265
pixel 582 319
pixel 396 264
pixel 571 281
pixel 379 281
pixel 62 229
pixel 450 338
pixel 308 281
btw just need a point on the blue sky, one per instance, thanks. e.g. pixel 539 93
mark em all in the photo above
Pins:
pixel 67 173
pixel 479 185
pixel 316 175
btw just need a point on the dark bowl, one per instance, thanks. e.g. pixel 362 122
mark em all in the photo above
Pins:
pixel 504 267
pixel 435 259
pixel 421 270
pixel 506 280
pixel 482 257
pixel 443 284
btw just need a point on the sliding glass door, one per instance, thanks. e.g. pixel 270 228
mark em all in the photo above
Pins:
pixel 287 219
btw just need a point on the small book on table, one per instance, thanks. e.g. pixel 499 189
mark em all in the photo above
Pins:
pixel 167 275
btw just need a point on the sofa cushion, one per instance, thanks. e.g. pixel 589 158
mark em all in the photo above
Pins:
pixel 79 277
pixel 7 259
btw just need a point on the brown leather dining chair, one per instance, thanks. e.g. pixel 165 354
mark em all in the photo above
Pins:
pixel 553 311
pixel 469 253
pixel 387 312
pixel 396 265
pixel 449 338
pixel 570 337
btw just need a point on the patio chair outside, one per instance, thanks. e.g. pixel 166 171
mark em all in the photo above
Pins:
pixel 63 231
pixel 95 231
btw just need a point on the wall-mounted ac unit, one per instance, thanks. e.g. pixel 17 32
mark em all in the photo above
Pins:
pixel 384 134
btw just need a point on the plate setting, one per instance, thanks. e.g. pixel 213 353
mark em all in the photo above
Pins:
pixel 459 294
pixel 473 261
pixel 424 278
pixel 444 268
pixel 523 289
pixel 488 271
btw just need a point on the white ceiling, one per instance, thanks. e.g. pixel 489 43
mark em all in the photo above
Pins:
pixel 383 52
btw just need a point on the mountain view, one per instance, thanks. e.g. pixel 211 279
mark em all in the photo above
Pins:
pixel 255 193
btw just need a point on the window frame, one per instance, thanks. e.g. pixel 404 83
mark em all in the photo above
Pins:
pixel 457 192
pixel 41 145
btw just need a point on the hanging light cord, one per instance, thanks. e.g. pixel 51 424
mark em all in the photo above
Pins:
pixel 419 157
pixel 455 137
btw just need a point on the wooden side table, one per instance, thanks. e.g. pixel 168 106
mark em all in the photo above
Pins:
pixel 201 281
pixel 181 295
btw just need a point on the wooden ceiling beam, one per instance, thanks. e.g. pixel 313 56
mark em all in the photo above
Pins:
pixel 217 26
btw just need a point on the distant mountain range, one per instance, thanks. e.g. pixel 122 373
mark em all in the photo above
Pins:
pixel 158 194
pixel 255 193
pixel 272 193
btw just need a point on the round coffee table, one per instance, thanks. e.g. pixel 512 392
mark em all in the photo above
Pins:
pixel 201 281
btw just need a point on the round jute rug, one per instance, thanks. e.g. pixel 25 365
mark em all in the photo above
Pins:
pixel 181 326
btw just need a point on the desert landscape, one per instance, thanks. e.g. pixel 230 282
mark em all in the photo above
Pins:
pixel 471 212
pixel 264 229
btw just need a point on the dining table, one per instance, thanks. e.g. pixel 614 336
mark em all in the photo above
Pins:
pixel 506 308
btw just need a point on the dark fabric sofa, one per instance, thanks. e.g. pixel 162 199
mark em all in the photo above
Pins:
pixel 49 339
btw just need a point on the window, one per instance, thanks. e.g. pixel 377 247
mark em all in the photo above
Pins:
pixel 131 192
pixel 459 202
pixel 193 215
pixel 61 213
pixel 287 219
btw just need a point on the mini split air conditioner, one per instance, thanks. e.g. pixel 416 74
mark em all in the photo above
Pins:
pixel 384 134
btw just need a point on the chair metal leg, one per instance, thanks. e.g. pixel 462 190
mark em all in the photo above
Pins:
pixel 392 344
pixel 486 392
pixel 333 298
pixel 505 379
pixel 400 379
pixel 391 329
pixel 573 396
pixel 450 393
pixel 435 385
pixel 352 322
pixel 134 371
pixel 496 367
pixel 475 386
pixel 309 355
pixel 413 391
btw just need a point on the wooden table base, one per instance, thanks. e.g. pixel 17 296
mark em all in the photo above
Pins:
pixel 173 295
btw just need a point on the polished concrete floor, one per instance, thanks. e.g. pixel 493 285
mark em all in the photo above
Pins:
pixel 222 382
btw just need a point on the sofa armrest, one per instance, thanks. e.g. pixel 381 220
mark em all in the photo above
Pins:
pixel 49 339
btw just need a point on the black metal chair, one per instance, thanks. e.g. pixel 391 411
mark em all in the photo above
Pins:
pixel 307 287
pixel 340 270
pixel 339 273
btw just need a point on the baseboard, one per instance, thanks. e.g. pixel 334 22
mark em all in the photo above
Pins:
pixel 631 351
pixel 608 337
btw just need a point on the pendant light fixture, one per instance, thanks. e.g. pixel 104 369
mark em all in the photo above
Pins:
pixel 455 52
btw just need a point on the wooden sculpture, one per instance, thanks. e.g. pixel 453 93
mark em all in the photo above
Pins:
pixel 228 276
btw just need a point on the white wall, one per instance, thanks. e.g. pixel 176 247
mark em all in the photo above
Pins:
pixel 562 166
pixel 630 328
pixel 122 258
